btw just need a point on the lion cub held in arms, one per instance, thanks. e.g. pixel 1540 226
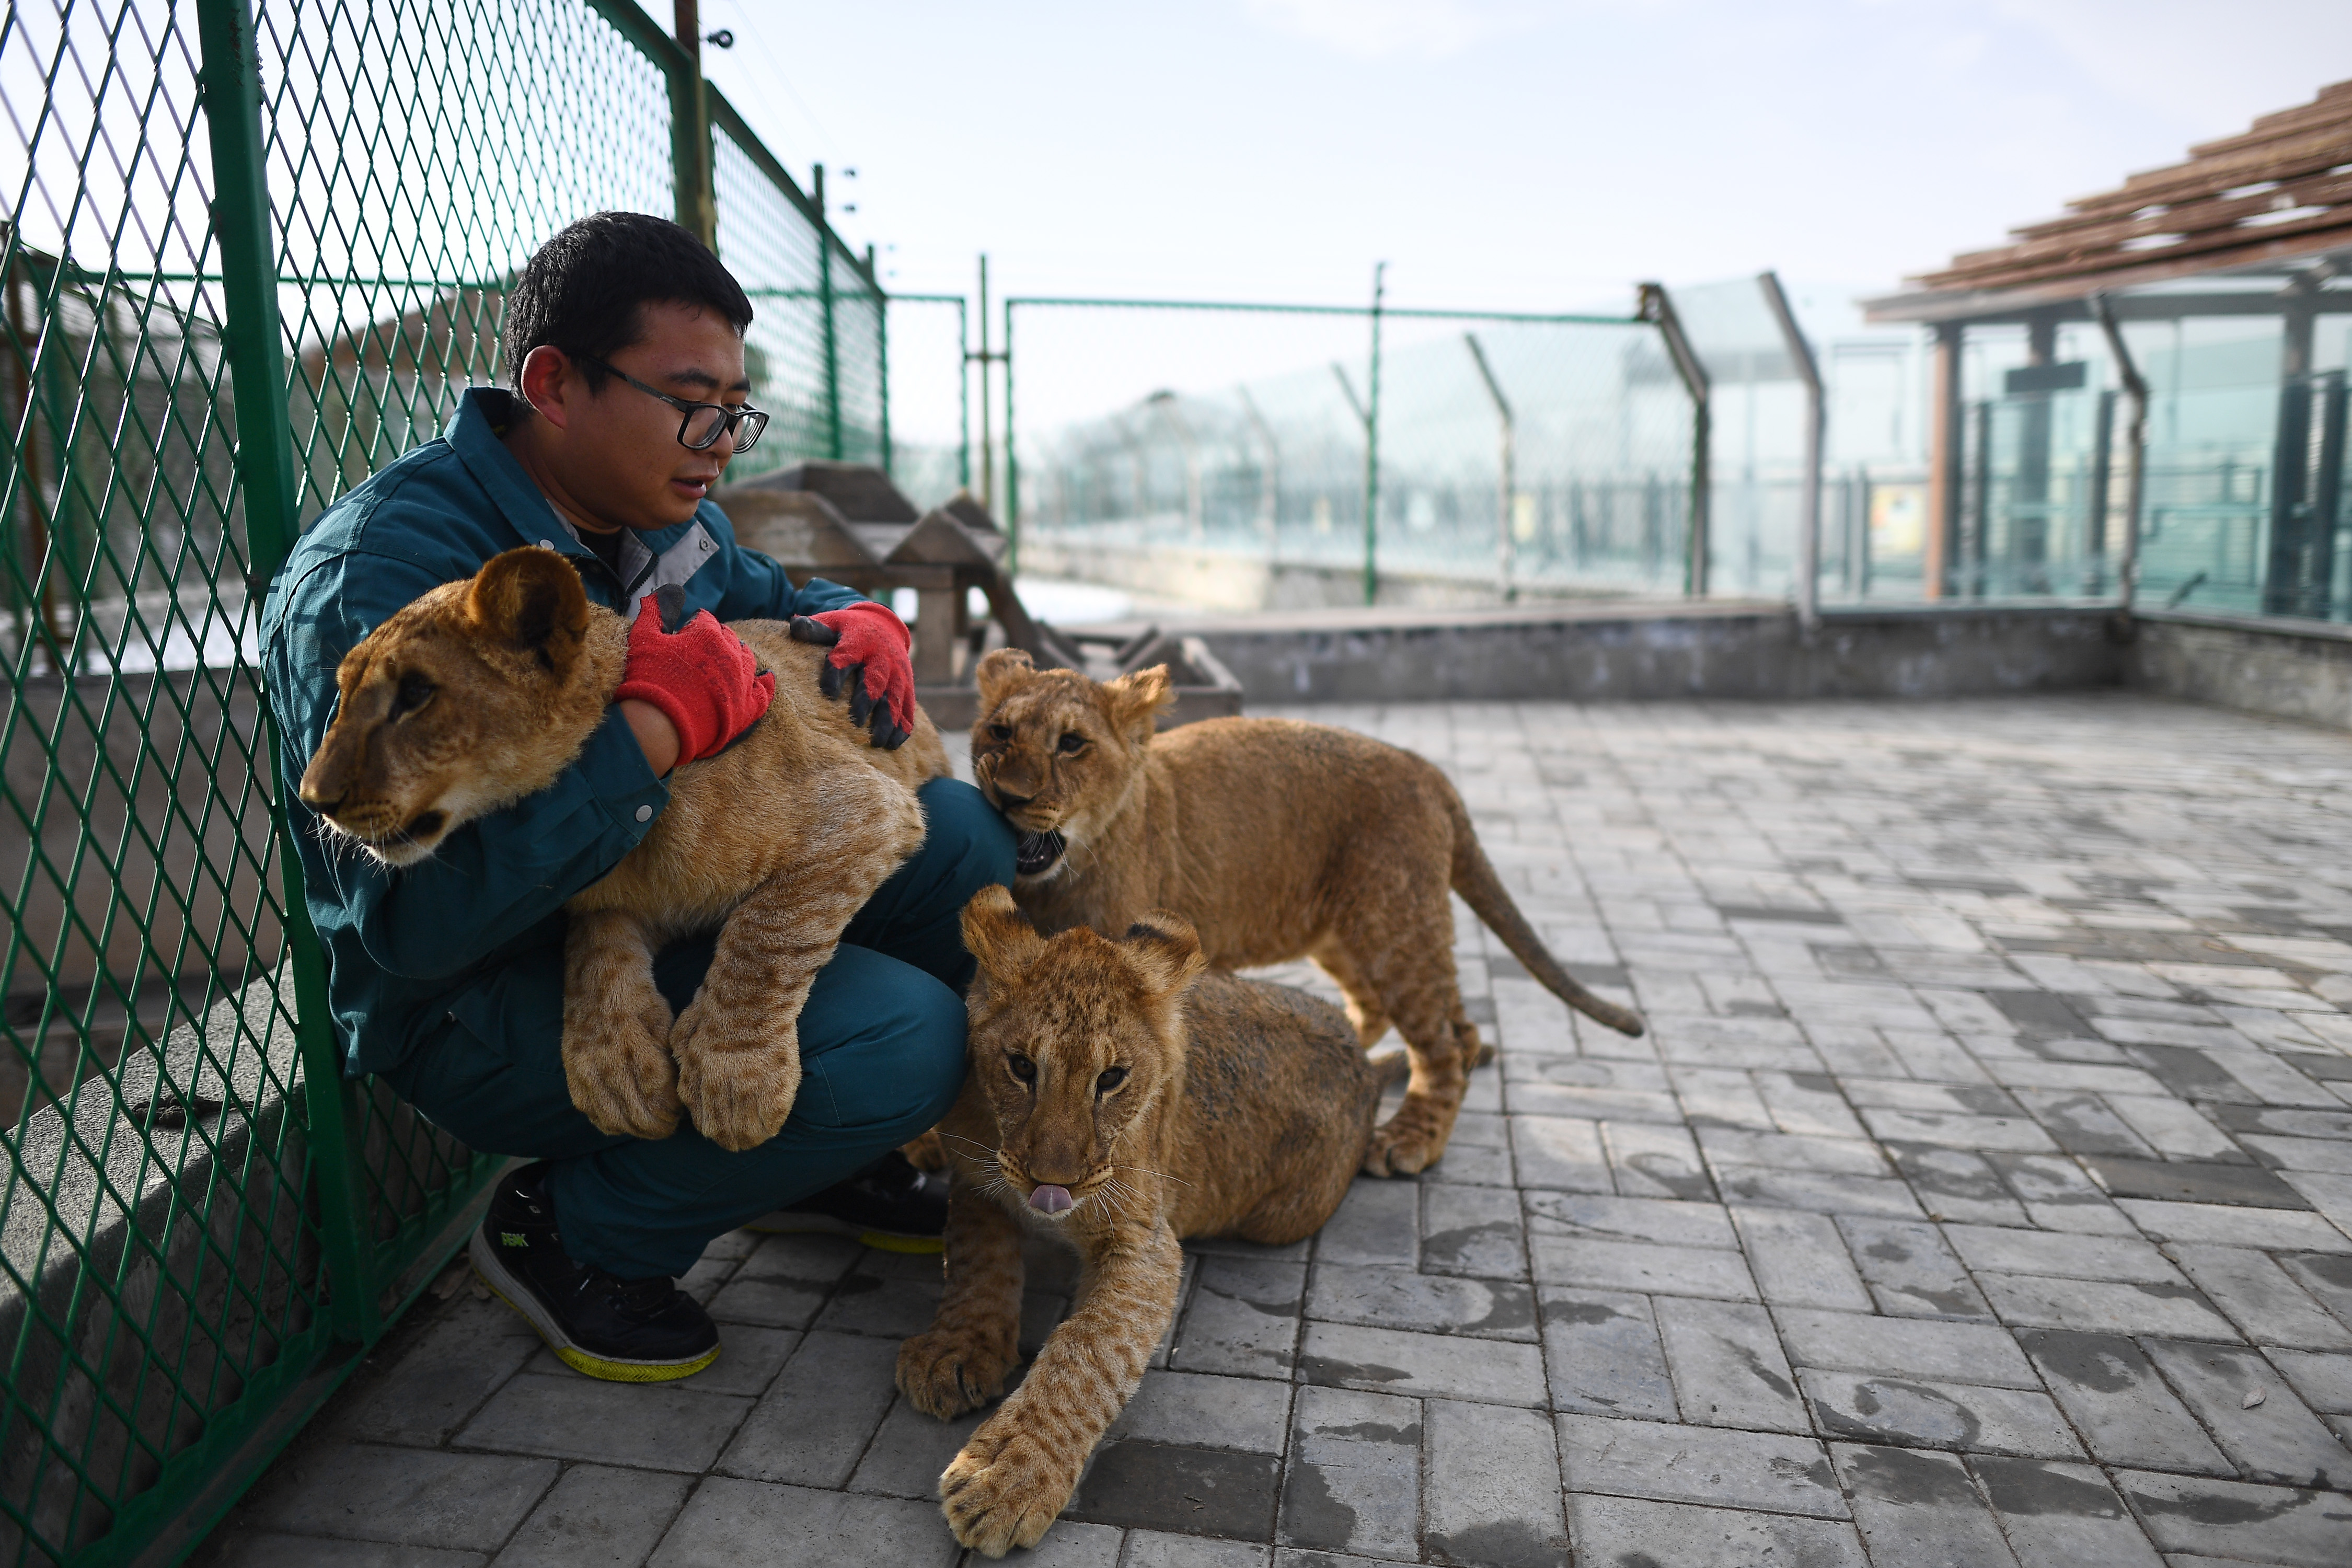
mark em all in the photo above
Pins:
pixel 1277 840
pixel 484 690
pixel 1117 1099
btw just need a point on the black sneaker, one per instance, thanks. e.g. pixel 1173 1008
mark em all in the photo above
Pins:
pixel 889 1204
pixel 626 1331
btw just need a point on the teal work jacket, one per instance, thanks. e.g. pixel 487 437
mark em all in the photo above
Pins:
pixel 475 934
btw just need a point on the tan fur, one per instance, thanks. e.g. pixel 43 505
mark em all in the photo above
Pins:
pixel 1277 840
pixel 782 836
pixel 1245 1111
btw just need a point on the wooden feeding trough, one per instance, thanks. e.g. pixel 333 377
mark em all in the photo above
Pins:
pixel 846 523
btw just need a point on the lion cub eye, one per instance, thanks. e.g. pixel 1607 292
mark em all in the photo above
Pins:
pixel 1001 731
pixel 1022 1068
pixel 414 693
pixel 1110 1079
pixel 1073 742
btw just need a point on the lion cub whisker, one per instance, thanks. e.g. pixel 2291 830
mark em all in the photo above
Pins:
pixel 1173 1153
pixel 1148 1172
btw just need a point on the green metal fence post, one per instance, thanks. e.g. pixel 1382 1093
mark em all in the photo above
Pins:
pixel 1011 463
pixel 881 350
pixel 253 344
pixel 825 299
pixel 1372 446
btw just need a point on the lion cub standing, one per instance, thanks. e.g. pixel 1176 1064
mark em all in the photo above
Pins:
pixel 484 690
pixel 1277 840
pixel 1118 1098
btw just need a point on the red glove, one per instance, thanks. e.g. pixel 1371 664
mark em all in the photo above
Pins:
pixel 870 644
pixel 699 674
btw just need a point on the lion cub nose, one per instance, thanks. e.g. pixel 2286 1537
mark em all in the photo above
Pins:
pixel 1008 801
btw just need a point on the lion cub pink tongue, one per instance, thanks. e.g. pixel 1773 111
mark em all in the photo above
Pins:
pixel 1051 1200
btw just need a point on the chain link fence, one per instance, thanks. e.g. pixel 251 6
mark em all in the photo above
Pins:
pixel 250 251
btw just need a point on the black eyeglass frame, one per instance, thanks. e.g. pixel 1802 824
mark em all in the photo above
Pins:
pixel 753 420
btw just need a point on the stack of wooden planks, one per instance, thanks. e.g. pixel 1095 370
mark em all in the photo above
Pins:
pixel 2283 188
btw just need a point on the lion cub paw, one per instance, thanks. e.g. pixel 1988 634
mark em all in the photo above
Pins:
pixel 945 1375
pixel 621 1075
pixel 738 1084
pixel 1005 1491
pixel 1404 1145
pixel 739 1101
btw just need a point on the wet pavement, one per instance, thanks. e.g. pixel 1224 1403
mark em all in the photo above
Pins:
pixel 1982 1195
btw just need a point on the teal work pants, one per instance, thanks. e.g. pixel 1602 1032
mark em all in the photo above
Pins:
pixel 882 1058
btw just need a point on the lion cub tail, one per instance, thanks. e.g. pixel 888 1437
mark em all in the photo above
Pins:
pixel 1474 879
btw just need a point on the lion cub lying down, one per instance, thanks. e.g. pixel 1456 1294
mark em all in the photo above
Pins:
pixel 484 690
pixel 1279 841
pixel 1117 1099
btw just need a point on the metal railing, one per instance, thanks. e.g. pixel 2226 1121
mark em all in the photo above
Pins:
pixel 250 251
pixel 1505 450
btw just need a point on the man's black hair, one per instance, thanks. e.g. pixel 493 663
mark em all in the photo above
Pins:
pixel 581 292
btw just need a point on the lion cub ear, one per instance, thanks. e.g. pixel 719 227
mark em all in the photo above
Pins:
pixel 1003 672
pixel 1135 702
pixel 1165 952
pixel 530 599
pixel 1000 936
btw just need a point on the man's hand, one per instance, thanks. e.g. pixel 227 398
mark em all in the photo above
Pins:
pixel 656 736
pixel 869 648
pixel 697 672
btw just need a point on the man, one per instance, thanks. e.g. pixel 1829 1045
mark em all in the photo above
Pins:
pixel 624 348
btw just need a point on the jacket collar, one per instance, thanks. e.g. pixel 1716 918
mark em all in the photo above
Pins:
pixel 475 433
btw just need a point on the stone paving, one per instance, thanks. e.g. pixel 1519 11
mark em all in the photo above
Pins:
pixel 1982 1196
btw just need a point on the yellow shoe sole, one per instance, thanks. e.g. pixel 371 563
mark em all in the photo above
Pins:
pixel 817 1224
pixel 486 1269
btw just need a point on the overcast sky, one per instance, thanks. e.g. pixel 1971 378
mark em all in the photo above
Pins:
pixel 1526 153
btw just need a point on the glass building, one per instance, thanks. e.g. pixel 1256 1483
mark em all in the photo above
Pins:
pixel 2214 300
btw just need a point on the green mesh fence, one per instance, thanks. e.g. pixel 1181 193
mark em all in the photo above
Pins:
pixel 815 351
pixel 250 251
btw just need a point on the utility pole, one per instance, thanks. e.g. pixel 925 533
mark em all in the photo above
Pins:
pixel 690 130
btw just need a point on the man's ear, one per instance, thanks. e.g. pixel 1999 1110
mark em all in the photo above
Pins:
pixel 1001 674
pixel 999 936
pixel 530 600
pixel 1164 951
pixel 1134 703
pixel 544 382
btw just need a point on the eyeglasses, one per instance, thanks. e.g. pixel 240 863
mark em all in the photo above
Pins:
pixel 704 422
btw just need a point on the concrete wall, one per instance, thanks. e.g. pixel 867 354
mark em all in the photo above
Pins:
pixel 2285 670
pixel 1223 580
pixel 1647 651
